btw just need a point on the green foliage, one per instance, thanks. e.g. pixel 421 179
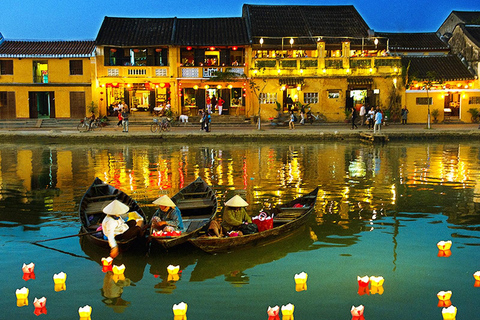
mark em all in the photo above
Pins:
pixel 475 114
pixel 92 107
pixel 435 113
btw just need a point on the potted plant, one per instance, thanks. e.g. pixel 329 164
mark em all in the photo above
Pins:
pixel 435 114
pixel 475 114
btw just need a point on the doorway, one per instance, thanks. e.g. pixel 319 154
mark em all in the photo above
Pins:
pixel 41 105
pixel 451 107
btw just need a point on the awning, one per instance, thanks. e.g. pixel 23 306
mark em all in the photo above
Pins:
pixel 358 80
pixel 292 81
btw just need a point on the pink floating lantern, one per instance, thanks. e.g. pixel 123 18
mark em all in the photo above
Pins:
pixel 444 299
pixel 273 313
pixel 40 306
pixel 357 312
pixel 28 268
pixel 444 245
pixel 363 283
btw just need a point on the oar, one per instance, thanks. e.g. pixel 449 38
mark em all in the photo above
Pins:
pixel 61 251
pixel 64 237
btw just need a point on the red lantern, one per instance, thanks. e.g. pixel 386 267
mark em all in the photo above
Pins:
pixel 158 50
pixel 102 91
pixel 101 99
pixel 234 48
pixel 113 50
pixel 212 48
pixel 136 50
pixel 189 48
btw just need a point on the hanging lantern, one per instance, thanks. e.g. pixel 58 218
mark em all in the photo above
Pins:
pixel 273 313
pixel 234 48
pixel 136 50
pixel 113 50
pixel 219 87
pixel 195 87
pixel 230 86
pixel 85 312
pixel 291 42
pixel 261 41
pixel 212 48
pixel 158 50
pixel 206 86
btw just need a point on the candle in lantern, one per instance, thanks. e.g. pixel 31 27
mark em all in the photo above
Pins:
pixel 273 313
pixel 171 269
pixel 287 311
pixel 85 312
pixel 22 297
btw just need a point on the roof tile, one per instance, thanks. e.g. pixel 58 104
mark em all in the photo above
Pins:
pixel 47 48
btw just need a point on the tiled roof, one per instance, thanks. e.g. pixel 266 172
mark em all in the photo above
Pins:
pixel 304 21
pixel 210 32
pixel 446 68
pixel 55 49
pixel 473 33
pixel 426 41
pixel 468 17
pixel 135 31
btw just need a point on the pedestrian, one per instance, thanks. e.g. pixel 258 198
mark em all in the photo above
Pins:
pixel 291 122
pixel 209 104
pixel 119 123
pixel 202 119
pixel 289 102
pixel 378 121
pixel 371 116
pixel 207 121
pixel 404 115
pixel 354 118
pixel 214 103
pixel 125 119
pixel 220 103
pixel 302 115
pixel 362 113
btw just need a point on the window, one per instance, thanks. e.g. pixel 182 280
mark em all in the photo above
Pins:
pixel 268 98
pixel 136 57
pixel 424 101
pixel 40 72
pixel 6 66
pixel 3 99
pixel 76 67
pixel 310 97
pixel 333 94
pixel 474 100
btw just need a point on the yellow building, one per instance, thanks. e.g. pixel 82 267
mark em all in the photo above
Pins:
pixel 45 79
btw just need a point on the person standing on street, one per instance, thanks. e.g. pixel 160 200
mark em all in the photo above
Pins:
pixel 125 119
pixel 354 118
pixel 404 115
pixel 362 114
pixel 378 121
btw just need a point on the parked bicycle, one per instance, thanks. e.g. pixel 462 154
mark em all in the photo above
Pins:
pixel 85 125
pixel 161 125
pixel 319 117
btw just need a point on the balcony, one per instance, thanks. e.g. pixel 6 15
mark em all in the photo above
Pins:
pixel 207 72
pixel 134 72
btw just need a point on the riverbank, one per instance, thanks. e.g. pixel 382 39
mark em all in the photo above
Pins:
pixel 247 133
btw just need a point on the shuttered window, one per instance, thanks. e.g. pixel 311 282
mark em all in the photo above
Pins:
pixel 76 67
pixel 6 67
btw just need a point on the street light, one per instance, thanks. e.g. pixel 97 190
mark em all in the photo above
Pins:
pixel 261 42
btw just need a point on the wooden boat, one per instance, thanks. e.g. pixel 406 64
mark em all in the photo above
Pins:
pixel 97 197
pixel 288 219
pixel 198 205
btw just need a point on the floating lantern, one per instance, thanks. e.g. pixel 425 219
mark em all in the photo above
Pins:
pixel 118 269
pixel 180 311
pixel 29 276
pixel 301 281
pixel 85 312
pixel 171 269
pixel 357 312
pixel 444 253
pixel 287 311
pixel 444 245
pixel 476 275
pixel 40 306
pixel 444 299
pixel 59 281
pixel 273 313
pixel 22 297
pixel 449 313
pixel 28 268
pixel 376 281
pixel 363 283
pixel 107 264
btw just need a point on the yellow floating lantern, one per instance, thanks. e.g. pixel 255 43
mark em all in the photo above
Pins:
pixel 444 245
pixel 376 281
pixel 173 277
pixel 22 297
pixel 357 312
pixel 60 287
pixel 444 298
pixel 449 313
pixel 287 311
pixel 180 311
pixel 40 306
pixel 273 313
pixel 301 281
pixel 118 270
pixel 171 269
pixel 85 312
pixel 59 278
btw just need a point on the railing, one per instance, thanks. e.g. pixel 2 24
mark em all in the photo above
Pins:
pixel 207 72
pixel 134 72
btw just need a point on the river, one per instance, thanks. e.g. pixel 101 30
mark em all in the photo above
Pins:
pixel 381 210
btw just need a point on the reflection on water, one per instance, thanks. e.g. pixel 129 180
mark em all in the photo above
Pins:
pixel 380 211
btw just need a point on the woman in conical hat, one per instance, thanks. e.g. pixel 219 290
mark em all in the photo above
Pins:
pixel 115 228
pixel 234 216
pixel 167 216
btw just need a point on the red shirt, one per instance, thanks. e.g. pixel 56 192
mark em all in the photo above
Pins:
pixel 220 102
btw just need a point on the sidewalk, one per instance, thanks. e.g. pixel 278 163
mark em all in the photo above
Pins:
pixel 247 133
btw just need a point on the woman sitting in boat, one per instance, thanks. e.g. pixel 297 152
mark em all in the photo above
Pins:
pixel 115 228
pixel 168 216
pixel 234 217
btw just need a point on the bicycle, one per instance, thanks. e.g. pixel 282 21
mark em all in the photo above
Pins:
pixel 319 117
pixel 85 125
pixel 163 125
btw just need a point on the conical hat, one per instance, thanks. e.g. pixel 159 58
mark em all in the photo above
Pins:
pixel 236 201
pixel 164 201
pixel 115 208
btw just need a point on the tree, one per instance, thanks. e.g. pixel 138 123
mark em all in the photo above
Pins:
pixel 427 84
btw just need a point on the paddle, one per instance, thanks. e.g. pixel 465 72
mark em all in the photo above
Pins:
pixel 64 237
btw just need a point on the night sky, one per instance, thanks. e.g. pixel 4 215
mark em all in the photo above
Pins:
pixel 81 20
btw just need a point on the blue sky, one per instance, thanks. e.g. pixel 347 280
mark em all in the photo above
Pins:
pixel 81 20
